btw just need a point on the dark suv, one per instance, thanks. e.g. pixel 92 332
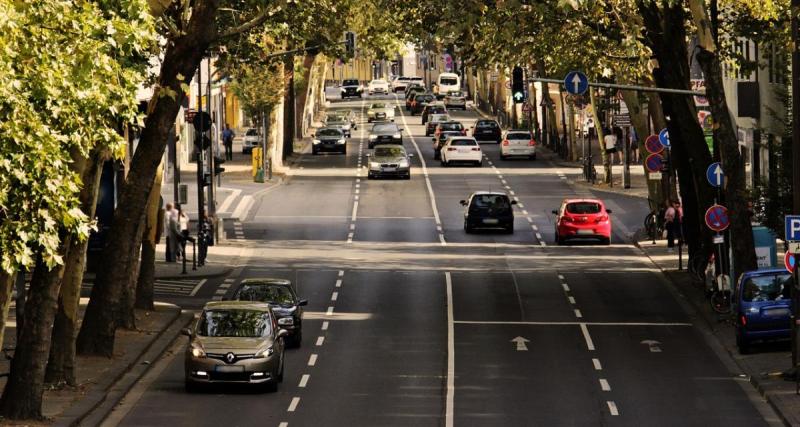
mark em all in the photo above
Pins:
pixel 281 296
pixel 351 88
pixel 489 209
pixel 419 102
pixel 487 130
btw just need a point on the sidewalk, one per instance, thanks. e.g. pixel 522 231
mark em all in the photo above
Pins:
pixel 763 367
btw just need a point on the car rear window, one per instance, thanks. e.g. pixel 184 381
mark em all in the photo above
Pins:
pixel 424 98
pixel 519 135
pixel 444 135
pixel 492 201
pixel 491 125
pixel 448 80
pixel 771 287
pixel 252 132
pixel 377 106
pixel 463 142
pixel 583 208
pixel 451 126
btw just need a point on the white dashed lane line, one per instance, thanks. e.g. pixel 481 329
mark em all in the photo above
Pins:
pixel 597 365
pixel 312 360
pixel 304 380
pixel 320 341
pixel 293 405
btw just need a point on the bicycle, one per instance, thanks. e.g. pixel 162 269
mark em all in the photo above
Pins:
pixel 654 224
pixel 589 172
pixel 721 295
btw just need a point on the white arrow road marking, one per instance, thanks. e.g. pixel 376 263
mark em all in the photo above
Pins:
pixel 653 344
pixel 520 341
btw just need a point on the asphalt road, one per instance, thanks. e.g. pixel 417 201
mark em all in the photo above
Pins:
pixel 413 322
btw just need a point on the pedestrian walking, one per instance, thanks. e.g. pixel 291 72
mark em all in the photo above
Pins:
pixel 171 232
pixel 227 141
pixel 183 228
pixel 673 221
pixel 610 145
pixel 634 147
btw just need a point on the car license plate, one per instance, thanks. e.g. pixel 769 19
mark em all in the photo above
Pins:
pixel 463 150
pixel 585 232
pixel 490 221
pixel 390 169
pixel 225 368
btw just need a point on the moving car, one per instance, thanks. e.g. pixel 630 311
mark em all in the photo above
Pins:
pixel 455 99
pixel 329 139
pixel 439 141
pixel 236 342
pixel 250 141
pixel 401 83
pixel 763 307
pixel 282 297
pixel 348 115
pixel 385 133
pixel 435 119
pixel 378 86
pixel 433 108
pixel 449 125
pixel 411 93
pixel 518 143
pixel 380 111
pixel 487 130
pixel 389 160
pixel 488 209
pixel 419 101
pixel 341 123
pixel 446 83
pixel 461 150
pixel 583 219
pixel 351 88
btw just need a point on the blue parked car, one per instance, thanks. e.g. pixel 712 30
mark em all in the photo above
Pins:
pixel 763 306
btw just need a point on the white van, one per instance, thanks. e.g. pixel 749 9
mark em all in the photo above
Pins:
pixel 447 82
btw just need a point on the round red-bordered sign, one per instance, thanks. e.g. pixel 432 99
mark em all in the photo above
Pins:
pixel 717 218
pixel 653 145
pixel 654 163
pixel 788 261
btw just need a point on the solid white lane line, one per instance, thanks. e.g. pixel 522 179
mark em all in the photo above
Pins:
pixel 587 337
pixel 571 300
pixel 597 365
pixel 197 287
pixel 612 407
pixel 312 360
pixel 604 385
pixel 304 380
pixel 356 197
pixel 221 291
pixel 293 405
pixel 325 325
pixel 329 312
pixel 451 356
pixel 320 341
pixel 578 313
pixel 339 283
pixel 334 296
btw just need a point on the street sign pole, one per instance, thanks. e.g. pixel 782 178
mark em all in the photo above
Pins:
pixel 626 169
pixel 200 153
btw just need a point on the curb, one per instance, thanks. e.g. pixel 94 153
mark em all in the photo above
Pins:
pixel 98 403
pixel 719 348
pixel 222 273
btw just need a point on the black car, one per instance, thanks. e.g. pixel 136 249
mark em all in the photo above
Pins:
pixel 432 108
pixel 487 130
pixel 439 141
pixel 410 93
pixel 351 88
pixel 419 102
pixel 329 139
pixel 489 209
pixel 281 296
pixel 385 133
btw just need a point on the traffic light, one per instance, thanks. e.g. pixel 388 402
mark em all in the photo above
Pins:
pixel 518 85
pixel 350 43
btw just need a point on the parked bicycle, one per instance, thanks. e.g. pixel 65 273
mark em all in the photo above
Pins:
pixel 654 224
pixel 721 294
pixel 589 172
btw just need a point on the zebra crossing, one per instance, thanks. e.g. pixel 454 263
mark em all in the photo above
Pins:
pixel 169 287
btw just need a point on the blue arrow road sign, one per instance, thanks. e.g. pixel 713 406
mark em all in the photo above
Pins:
pixel 576 83
pixel 714 175
pixel 793 228
pixel 663 136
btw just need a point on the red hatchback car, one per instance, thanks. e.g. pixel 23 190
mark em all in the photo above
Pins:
pixel 583 219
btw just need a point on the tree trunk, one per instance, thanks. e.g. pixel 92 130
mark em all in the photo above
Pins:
pixel 127 314
pixel 742 244
pixel 639 122
pixel 61 363
pixel 605 159
pixel 182 57
pixel 7 281
pixel 302 96
pixel 147 267
pixel 288 106
pixel 22 396
pixel 665 34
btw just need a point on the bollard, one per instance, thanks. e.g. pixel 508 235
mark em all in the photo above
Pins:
pixel 184 260
pixel 194 258
pixel 680 253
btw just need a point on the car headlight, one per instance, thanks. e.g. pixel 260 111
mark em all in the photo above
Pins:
pixel 264 352
pixel 315 142
pixel 344 90
pixel 397 136
pixel 284 321
pixel 341 141
pixel 370 113
pixel 374 165
pixel 404 163
pixel 198 352
pixel 373 137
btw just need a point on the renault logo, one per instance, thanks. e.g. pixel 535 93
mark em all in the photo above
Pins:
pixel 230 357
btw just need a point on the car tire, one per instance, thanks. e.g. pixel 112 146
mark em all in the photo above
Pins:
pixel 344 151
pixel 510 229
pixel 605 241
pixel 479 164
pixel 467 228
pixel 270 386
pixel 503 157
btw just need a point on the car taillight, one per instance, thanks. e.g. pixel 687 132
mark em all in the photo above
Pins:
pixel 451 149
pixel 744 320
pixel 531 143
pixel 505 142
pixel 601 218
pixel 476 148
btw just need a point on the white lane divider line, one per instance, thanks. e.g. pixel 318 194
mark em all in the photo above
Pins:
pixel 501 177
pixel 355 211
pixel 524 212
pixel 320 341
pixel 312 360
pixel 304 380
pixel 512 192
pixel 293 405
pixel 341 273
pixel 451 356
pixel 587 337
pixel 283 424
pixel 539 236
pixel 325 325
pixel 221 291
pixel 604 385
pixel 520 205
pixel 571 300
pixel 330 311
pixel 597 365
pixel 543 243
pixel 535 227
pixel 612 407
pixel 350 238
pixel 441 239
pixel 561 277
pixel 352 226
pixel 339 283
pixel 529 219
pixel 578 313
pixel 565 286
pixel 334 296
pixel 197 287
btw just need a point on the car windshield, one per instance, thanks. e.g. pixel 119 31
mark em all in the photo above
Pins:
pixel 389 152
pixel 771 287
pixel 273 294
pixel 451 126
pixel 251 132
pixel 234 323
pixel 463 142
pixel 329 132
pixel 377 106
pixel 489 124
pixel 582 208
pixel 518 135
pixel 445 135
pixel 491 201
pixel 448 80
pixel 385 128
pixel 350 83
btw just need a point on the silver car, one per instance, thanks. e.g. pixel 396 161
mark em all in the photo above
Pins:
pixel 379 112
pixel 236 342
pixel 340 123
pixel 389 161
pixel 455 99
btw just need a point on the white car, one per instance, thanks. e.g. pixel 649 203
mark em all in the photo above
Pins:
pixel 378 86
pixel 518 143
pixel 461 149
pixel 250 141
pixel 380 112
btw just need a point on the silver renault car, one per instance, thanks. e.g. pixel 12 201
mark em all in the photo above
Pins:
pixel 236 342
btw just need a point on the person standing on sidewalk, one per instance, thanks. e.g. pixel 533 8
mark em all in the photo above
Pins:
pixel 673 220
pixel 183 228
pixel 227 141
pixel 610 144
pixel 170 232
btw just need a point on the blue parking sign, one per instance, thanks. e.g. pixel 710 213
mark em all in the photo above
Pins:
pixel 793 228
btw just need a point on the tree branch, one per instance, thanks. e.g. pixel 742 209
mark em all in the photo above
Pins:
pixel 247 26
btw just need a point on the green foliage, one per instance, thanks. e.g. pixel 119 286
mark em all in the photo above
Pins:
pixel 68 79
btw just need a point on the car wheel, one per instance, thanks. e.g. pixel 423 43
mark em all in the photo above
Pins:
pixel 510 229
pixel 479 163
pixel 503 157
pixel 605 241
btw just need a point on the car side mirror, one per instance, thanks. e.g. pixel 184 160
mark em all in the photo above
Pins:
pixel 302 303
pixel 463 202
pixel 187 332
pixel 410 155
pixel 399 129
pixel 513 202
pixel 283 333
pixel 609 211
pixel 555 212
